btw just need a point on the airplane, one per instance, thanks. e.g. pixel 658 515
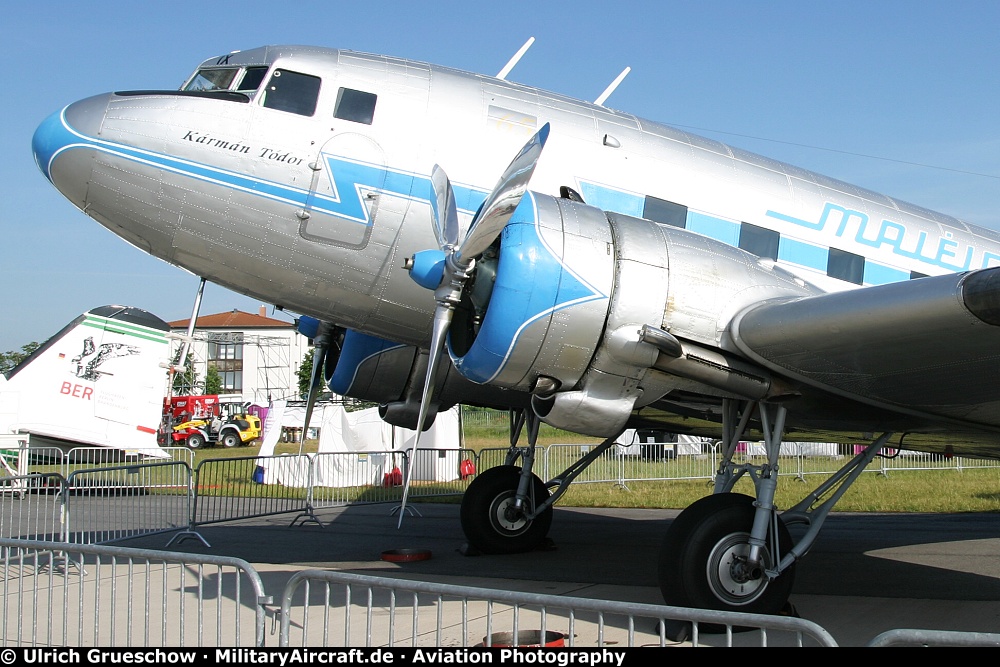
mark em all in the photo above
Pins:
pixel 647 278
pixel 95 383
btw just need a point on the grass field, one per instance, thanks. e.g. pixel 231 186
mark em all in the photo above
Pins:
pixel 969 490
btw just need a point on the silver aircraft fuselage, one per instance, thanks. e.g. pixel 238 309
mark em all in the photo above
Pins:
pixel 301 176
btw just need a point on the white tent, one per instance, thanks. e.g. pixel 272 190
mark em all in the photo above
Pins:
pixel 359 449
pixel 629 444
pixel 793 448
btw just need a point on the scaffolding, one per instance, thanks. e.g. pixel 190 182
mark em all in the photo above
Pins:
pixel 267 369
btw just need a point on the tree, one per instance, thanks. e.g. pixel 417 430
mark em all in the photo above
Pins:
pixel 213 381
pixel 11 358
pixel 305 374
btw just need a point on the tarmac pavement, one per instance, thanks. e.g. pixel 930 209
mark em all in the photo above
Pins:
pixel 867 573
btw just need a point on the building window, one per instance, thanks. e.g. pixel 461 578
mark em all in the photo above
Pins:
pixel 226 357
pixel 761 242
pixel 667 212
pixel 846 266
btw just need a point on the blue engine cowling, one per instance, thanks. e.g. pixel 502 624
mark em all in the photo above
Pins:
pixel 546 309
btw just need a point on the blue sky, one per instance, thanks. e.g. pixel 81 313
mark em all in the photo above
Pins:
pixel 818 84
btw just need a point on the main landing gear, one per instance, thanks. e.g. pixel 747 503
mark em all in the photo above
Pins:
pixel 496 521
pixel 508 509
pixel 705 558
pixel 732 552
pixel 728 551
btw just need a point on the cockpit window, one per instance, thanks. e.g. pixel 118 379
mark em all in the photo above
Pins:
pixel 252 78
pixel 244 80
pixel 355 105
pixel 212 79
pixel 292 91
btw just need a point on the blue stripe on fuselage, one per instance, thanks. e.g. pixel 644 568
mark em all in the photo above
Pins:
pixel 346 176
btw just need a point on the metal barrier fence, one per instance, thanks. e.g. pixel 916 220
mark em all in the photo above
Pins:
pixel 60 595
pixel 147 498
pixel 362 478
pixel 357 610
pixel 101 504
pixel 803 459
pixel 85 458
pixel 339 479
pixel 238 488
pixel 31 507
pixel 32 459
pixel 54 594
pixel 905 637
pixel 12 461
pixel 641 462
pixel 497 456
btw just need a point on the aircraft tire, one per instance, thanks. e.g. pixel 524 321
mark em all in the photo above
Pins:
pixel 195 441
pixel 230 440
pixel 483 513
pixel 694 558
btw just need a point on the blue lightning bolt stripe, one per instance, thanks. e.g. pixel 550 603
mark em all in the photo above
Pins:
pixel 353 176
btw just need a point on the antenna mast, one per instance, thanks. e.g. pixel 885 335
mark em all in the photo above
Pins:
pixel 502 75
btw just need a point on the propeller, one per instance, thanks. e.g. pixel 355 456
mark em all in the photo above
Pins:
pixel 320 344
pixel 451 267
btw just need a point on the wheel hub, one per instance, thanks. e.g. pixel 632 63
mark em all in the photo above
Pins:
pixel 730 577
pixel 507 517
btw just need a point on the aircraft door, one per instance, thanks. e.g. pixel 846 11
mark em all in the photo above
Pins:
pixel 348 173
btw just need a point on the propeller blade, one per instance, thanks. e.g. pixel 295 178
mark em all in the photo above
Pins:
pixel 320 343
pixel 442 320
pixel 500 205
pixel 445 212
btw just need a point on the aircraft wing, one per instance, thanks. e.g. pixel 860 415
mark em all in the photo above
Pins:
pixel 928 348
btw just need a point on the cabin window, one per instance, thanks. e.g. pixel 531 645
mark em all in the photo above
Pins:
pixel 846 266
pixel 667 212
pixel 293 92
pixel 207 80
pixel 759 241
pixel 915 274
pixel 252 78
pixel 355 105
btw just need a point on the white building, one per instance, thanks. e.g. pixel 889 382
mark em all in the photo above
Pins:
pixel 255 355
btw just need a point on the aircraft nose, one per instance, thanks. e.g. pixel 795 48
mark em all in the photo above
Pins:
pixel 64 144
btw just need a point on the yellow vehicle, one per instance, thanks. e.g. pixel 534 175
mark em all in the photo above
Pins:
pixel 210 420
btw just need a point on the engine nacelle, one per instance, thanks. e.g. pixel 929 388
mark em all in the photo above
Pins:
pixel 368 368
pixel 597 314
pixel 391 374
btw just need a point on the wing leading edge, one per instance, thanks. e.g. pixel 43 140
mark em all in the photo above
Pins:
pixel 928 348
